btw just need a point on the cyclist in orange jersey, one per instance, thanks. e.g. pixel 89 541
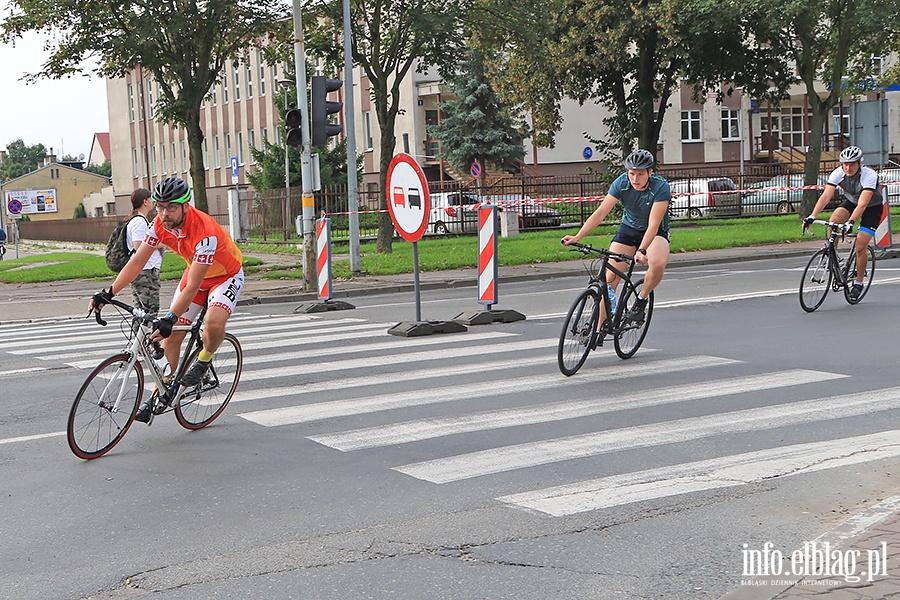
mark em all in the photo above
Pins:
pixel 214 276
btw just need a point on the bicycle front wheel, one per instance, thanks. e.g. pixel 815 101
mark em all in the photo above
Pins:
pixel 201 404
pixel 578 332
pixel 850 275
pixel 816 281
pixel 105 406
pixel 630 332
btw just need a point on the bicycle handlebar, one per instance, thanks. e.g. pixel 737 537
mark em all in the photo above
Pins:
pixel 135 312
pixel 830 224
pixel 588 249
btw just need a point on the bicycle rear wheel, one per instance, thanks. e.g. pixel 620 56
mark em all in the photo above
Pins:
pixel 201 404
pixel 578 332
pixel 630 334
pixel 104 407
pixel 850 275
pixel 816 281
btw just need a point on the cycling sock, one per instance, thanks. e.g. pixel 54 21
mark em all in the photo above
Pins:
pixel 204 356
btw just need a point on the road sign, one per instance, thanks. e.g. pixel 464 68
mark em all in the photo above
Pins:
pixel 475 170
pixel 14 207
pixel 407 197
pixel 234 169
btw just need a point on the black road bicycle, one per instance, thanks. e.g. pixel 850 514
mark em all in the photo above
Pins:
pixel 582 331
pixel 106 404
pixel 827 270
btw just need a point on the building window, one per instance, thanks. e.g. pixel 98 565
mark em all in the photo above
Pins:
pixel 216 153
pixel 174 166
pixel 150 98
pixel 690 126
pixel 110 208
pixel 224 87
pixel 262 72
pixel 240 147
pixel 731 124
pixel 249 81
pixel 143 161
pixel 131 102
pixel 228 154
pixel 205 156
pixel 183 156
pixel 237 81
pixel 162 158
pixel 792 129
pixel 265 135
pixel 134 162
pixel 840 120
pixel 153 159
pixel 367 127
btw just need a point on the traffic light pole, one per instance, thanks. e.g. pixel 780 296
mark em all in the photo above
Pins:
pixel 310 275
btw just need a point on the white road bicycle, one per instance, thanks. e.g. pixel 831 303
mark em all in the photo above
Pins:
pixel 109 398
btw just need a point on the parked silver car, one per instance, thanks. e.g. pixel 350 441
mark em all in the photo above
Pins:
pixel 768 199
pixel 704 196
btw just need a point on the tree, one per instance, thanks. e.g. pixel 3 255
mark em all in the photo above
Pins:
pixel 389 39
pixel 832 41
pixel 21 159
pixel 475 126
pixel 628 58
pixel 105 169
pixel 80 213
pixel 184 44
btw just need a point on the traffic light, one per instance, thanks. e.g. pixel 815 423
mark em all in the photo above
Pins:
pixel 321 108
pixel 293 133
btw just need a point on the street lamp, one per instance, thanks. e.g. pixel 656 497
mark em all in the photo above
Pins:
pixel 285 86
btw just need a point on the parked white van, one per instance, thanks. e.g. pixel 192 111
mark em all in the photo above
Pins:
pixel 452 212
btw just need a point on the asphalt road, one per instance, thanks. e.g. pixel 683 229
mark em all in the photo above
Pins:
pixel 355 464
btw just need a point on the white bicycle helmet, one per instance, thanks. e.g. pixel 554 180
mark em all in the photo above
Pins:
pixel 851 154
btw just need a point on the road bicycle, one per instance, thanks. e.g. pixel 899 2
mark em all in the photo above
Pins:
pixel 581 334
pixel 829 271
pixel 109 398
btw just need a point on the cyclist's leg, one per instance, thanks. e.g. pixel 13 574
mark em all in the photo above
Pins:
pixel 223 298
pixel 657 258
pixel 867 226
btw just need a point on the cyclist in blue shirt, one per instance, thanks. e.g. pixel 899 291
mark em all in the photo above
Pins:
pixel 862 202
pixel 644 232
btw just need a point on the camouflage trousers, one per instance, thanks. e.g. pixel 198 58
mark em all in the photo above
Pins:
pixel 145 291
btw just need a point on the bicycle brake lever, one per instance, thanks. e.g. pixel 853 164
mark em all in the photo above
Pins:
pixel 99 319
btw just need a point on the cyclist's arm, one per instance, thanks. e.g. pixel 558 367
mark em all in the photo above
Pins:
pixel 864 198
pixel 595 219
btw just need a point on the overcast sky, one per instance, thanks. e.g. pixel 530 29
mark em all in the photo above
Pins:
pixel 61 114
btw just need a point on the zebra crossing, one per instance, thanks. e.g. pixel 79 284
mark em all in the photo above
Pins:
pixel 358 389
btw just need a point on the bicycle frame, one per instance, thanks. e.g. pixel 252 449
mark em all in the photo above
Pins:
pixel 138 352
pixel 599 280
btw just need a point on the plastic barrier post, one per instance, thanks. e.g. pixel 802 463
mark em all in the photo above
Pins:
pixel 323 251
pixel 883 233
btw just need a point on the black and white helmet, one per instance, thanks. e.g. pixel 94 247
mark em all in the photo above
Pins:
pixel 851 154
pixel 639 159
pixel 172 189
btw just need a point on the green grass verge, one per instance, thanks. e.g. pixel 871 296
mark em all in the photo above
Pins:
pixel 435 253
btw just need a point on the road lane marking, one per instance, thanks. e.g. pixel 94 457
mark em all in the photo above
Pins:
pixel 509 458
pixel 717 473
pixel 411 431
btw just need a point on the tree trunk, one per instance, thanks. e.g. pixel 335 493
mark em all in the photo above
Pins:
pixel 384 240
pixel 195 152
pixel 818 115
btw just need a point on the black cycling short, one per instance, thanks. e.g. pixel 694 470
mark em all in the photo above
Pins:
pixel 633 237
pixel 871 216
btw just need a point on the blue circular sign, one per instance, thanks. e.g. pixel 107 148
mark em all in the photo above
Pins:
pixel 14 207
pixel 587 152
pixel 475 171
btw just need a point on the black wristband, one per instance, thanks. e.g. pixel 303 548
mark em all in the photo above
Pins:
pixel 642 251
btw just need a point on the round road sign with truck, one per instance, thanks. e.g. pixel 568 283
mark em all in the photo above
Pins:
pixel 407 197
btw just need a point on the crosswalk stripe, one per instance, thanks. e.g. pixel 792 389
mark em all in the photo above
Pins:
pixel 728 471
pixel 410 431
pixel 375 403
pixel 89 329
pixel 508 458
pixel 384 378
pixel 117 339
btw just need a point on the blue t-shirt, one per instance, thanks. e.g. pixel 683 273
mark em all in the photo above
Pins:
pixel 637 204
